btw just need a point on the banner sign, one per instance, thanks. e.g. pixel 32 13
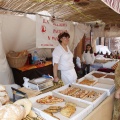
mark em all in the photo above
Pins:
pixel 114 4
pixel 47 31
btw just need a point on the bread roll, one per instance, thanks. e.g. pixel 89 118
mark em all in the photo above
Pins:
pixel 2 88
pixel 4 99
pixel 26 103
pixel 11 112
pixel 3 93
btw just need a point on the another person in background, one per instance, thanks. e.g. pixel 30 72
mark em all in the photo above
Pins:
pixel 116 112
pixel 63 60
pixel 88 58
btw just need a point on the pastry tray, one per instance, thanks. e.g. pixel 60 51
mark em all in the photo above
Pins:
pixel 82 109
pixel 92 76
pixel 95 103
pixel 102 83
pixel 112 74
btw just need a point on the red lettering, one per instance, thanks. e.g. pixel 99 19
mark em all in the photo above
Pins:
pixel 46 44
pixel 59 31
pixel 48 37
pixel 54 38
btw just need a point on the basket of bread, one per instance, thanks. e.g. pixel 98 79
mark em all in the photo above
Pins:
pixel 17 59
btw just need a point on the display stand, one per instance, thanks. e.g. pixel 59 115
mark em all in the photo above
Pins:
pixel 103 111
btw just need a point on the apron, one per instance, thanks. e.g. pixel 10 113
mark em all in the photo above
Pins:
pixel 66 65
pixel 68 76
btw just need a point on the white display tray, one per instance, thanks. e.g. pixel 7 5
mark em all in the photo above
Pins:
pixel 106 84
pixel 82 109
pixel 92 77
pixel 43 114
pixel 109 74
pixel 95 103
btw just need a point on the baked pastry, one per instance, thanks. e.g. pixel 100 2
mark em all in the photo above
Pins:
pixel 68 110
pixel 70 103
pixel 98 75
pixel 51 114
pixel 33 118
pixel 49 100
pixel 11 112
pixel 70 91
pixel 53 109
pixel 110 76
pixel 87 82
pixel 26 103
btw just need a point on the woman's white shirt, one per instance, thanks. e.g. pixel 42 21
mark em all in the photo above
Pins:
pixel 63 58
pixel 88 57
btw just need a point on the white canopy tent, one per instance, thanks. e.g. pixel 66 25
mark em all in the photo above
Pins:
pixel 19 33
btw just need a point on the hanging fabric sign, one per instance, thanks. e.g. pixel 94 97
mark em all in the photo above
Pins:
pixel 47 32
pixel 114 4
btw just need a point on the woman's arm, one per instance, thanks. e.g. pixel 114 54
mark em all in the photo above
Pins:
pixel 93 58
pixel 117 94
pixel 117 77
pixel 83 59
pixel 55 70
pixel 117 82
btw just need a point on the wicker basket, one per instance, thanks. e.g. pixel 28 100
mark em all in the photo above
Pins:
pixel 16 61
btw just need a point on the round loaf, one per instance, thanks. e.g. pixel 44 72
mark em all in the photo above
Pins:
pixel 11 112
pixel 26 103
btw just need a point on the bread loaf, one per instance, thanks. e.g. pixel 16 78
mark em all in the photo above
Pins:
pixel 4 99
pixel 3 93
pixel 11 112
pixel 26 103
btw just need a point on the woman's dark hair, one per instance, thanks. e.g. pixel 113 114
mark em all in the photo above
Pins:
pixel 91 50
pixel 63 34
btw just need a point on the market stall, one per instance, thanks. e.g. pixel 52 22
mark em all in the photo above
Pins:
pixel 103 111
pixel 90 98
pixel 97 95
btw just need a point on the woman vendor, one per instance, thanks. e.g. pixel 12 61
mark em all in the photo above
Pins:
pixel 63 60
pixel 116 112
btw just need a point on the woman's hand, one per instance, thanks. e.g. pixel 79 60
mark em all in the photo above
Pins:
pixel 56 79
pixel 117 94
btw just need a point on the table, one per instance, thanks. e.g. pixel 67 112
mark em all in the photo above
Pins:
pixel 96 66
pixel 32 73
pixel 103 111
